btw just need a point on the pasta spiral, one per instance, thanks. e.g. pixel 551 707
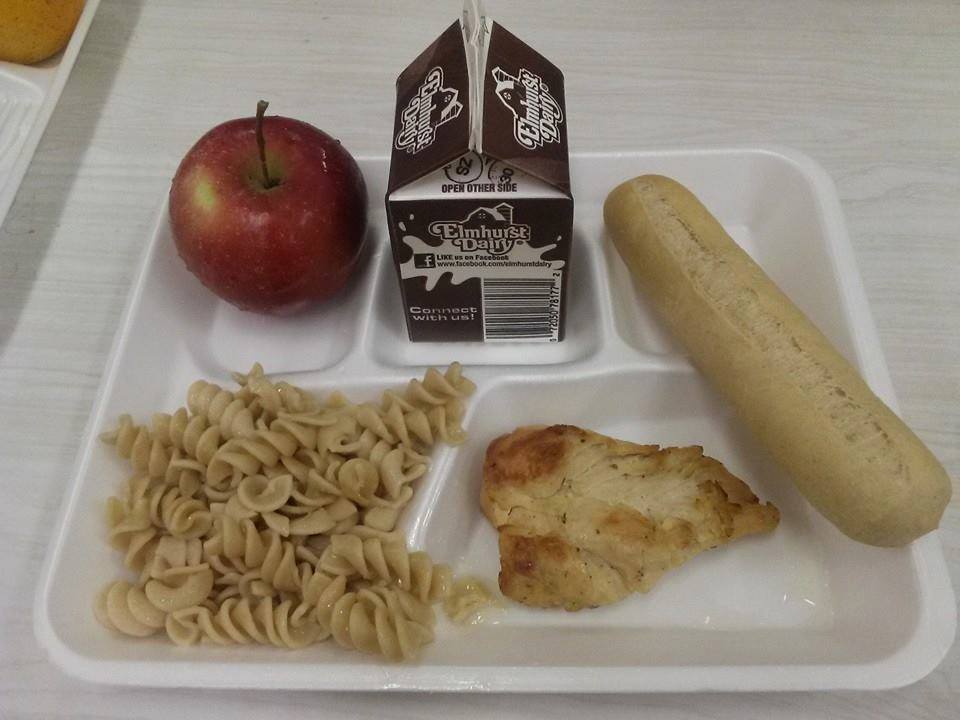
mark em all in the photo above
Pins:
pixel 184 473
pixel 400 467
pixel 180 587
pixel 125 607
pixel 429 582
pixel 208 399
pixel 246 455
pixel 376 622
pixel 267 515
pixel 258 493
pixel 376 558
pixel 130 530
pixel 170 552
pixel 410 424
pixel 369 559
pixel 180 515
pixel 273 397
pixel 236 622
pixel 135 443
pixel 237 540
pixel 193 435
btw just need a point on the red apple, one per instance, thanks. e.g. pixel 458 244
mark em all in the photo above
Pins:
pixel 270 213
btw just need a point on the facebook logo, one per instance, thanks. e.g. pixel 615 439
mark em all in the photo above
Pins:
pixel 424 260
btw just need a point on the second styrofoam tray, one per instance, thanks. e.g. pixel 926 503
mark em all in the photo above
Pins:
pixel 28 95
pixel 801 608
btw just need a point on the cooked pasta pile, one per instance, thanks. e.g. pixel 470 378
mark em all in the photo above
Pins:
pixel 264 515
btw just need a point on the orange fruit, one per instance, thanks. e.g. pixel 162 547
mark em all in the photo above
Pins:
pixel 33 30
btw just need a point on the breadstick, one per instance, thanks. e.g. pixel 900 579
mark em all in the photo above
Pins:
pixel 847 452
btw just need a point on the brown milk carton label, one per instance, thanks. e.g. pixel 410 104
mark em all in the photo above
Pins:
pixel 479 203
pixel 432 121
pixel 524 108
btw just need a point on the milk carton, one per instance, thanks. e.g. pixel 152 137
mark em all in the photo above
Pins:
pixel 478 201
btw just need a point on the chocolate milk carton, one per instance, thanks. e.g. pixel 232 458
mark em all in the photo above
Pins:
pixel 478 201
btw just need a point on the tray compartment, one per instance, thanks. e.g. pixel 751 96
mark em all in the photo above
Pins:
pixel 781 580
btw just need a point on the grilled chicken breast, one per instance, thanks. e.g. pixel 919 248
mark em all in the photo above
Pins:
pixel 585 519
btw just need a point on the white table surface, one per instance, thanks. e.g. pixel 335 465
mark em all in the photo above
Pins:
pixel 868 89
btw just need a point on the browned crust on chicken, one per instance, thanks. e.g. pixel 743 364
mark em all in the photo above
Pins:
pixel 585 519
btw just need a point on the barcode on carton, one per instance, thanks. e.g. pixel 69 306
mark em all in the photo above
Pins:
pixel 521 309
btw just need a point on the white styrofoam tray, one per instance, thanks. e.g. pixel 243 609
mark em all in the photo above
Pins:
pixel 801 608
pixel 28 95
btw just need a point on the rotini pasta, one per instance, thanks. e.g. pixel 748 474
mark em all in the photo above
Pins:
pixel 180 515
pixel 207 399
pixel 146 453
pixel 171 552
pixel 273 398
pixel 445 422
pixel 373 558
pixel 399 467
pixel 451 384
pixel 387 559
pixel 358 481
pixel 246 455
pixel 249 585
pixel 381 518
pixel 376 623
pixel 408 423
pixel 194 435
pixel 267 515
pixel 258 493
pixel 130 530
pixel 429 581
pixel 180 587
pixel 125 607
pixel 237 540
pixel 304 435
pixel 235 622
pixel 184 473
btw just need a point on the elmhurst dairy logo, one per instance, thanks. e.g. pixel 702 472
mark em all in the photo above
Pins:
pixel 432 106
pixel 489 230
pixel 536 113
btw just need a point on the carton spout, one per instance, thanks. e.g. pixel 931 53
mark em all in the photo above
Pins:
pixel 473 13
pixel 476 30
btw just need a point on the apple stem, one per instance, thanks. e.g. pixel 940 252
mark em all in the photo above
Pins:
pixel 268 182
